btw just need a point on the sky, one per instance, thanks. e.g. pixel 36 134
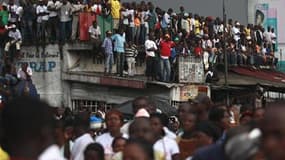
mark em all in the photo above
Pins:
pixel 235 9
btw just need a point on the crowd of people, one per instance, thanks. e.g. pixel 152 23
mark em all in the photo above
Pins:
pixel 163 34
pixel 200 130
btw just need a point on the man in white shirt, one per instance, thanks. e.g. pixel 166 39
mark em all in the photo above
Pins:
pixel 77 6
pixel 65 13
pixel 12 10
pixel 42 19
pixel 236 33
pixel 83 138
pixel 15 37
pixel 25 72
pixel 53 6
pixel 95 37
pixel 267 37
pixel 150 48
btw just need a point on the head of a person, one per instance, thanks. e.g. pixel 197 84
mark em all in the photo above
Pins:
pixel 273 131
pixel 24 66
pixel 220 117
pixel 139 103
pixel 94 151
pixel 202 106
pixel 170 11
pixel 114 120
pixel 119 144
pixel 258 114
pixel 94 23
pixel 27 126
pixel 108 33
pixel 11 2
pixel 13 28
pixel 245 118
pixel 64 2
pixel 206 133
pixel 188 122
pixel 141 128
pixel 81 123
pixel 137 149
pixel 184 108
pixel 158 121
pixel 151 36
pixel 181 9
pixel 174 124
pixel 167 37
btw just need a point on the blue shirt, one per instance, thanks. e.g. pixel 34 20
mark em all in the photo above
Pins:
pixel 119 45
pixel 108 46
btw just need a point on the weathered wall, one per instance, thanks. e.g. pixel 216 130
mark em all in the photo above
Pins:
pixel 46 67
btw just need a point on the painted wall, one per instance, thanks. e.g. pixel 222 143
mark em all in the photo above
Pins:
pixel 46 67
pixel 235 9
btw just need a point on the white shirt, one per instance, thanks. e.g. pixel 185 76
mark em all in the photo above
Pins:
pixel 125 15
pixel 236 32
pixel 20 74
pixel 166 147
pixel 267 37
pixel 106 141
pixel 273 37
pixel 94 32
pixel 79 146
pixel 13 15
pixel 51 153
pixel 65 12
pixel 132 14
pixel 148 45
pixel 53 6
pixel 15 35
pixel 42 9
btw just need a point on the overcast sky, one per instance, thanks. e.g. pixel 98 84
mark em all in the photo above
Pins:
pixel 236 9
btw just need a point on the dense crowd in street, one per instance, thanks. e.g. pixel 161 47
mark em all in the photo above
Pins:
pixel 164 34
pixel 199 130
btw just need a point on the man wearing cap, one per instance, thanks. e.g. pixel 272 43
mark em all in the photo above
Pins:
pixel 108 50
pixel 165 51
pixel 185 25
pixel 236 33
pixel 15 37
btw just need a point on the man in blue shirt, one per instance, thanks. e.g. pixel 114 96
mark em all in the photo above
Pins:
pixel 119 48
pixel 108 50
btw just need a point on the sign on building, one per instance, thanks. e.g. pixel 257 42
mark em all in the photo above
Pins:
pixel 190 70
pixel 46 68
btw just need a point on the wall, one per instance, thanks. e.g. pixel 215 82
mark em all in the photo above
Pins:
pixel 46 66
pixel 235 9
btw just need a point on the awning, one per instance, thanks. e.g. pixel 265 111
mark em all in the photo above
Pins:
pixel 246 76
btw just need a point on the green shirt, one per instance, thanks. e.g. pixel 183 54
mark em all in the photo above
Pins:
pixel 4 15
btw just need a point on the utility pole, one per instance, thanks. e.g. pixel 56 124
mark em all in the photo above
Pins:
pixel 225 54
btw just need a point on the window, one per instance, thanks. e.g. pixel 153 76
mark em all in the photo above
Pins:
pixel 90 105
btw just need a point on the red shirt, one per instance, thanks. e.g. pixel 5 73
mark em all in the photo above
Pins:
pixel 198 51
pixel 165 48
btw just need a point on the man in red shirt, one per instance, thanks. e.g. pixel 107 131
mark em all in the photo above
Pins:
pixel 165 50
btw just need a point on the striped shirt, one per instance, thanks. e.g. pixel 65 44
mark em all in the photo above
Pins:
pixel 131 51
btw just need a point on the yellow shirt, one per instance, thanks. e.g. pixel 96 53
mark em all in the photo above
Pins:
pixel 3 155
pixel 247 32
pixel 197 27
pixel 115 9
